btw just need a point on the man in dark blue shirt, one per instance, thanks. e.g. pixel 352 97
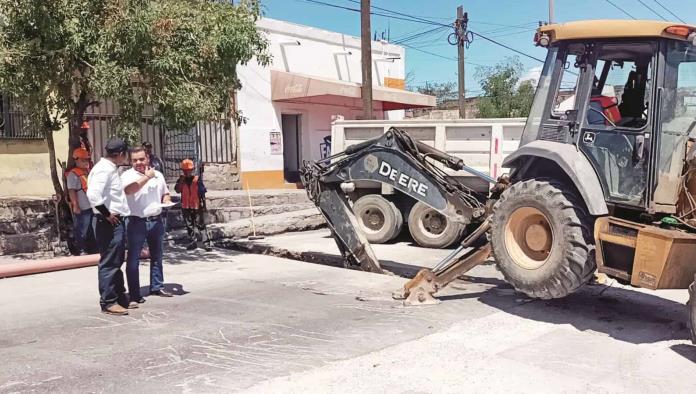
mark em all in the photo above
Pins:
pixel 155 162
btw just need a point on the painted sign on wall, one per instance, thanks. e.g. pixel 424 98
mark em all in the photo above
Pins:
pixel 276 143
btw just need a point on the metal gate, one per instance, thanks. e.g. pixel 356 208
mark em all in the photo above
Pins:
pixel 208 142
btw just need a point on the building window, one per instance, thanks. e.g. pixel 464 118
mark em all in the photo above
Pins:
pixel 13 124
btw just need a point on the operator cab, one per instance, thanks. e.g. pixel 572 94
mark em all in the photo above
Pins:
pixel 623 92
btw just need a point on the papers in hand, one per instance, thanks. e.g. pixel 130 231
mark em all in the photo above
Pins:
pixel 168 204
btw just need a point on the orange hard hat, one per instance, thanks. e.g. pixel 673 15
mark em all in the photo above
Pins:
pixel 80 153
pixel 187 164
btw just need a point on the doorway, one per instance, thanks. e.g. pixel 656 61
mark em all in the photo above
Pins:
pixel 291 147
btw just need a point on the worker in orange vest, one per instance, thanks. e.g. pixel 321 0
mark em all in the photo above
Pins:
pixel 193 205
pixel 77 191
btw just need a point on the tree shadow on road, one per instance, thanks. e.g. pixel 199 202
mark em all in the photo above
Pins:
pixel 177 255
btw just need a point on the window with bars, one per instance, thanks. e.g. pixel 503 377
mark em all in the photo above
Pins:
pixel 13 124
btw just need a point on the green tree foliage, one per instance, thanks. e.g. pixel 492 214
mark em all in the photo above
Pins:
pixel 444 92
pixel 180 57
pixel 504 96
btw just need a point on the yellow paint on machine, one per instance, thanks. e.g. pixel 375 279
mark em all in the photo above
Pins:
pixel 25 170
pixel 274 179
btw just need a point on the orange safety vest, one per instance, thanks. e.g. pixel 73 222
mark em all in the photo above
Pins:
pixel 82 175
pixel 189 195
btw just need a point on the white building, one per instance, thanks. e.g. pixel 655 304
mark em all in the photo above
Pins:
pixel 315 76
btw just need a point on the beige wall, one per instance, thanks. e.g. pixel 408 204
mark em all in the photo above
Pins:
pixel 24 166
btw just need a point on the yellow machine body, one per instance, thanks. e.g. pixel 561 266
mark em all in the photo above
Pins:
pixel 644 255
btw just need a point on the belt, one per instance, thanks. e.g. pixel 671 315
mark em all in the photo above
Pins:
pixel 147 219
pixel 100 216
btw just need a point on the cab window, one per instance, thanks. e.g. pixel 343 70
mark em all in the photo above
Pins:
pixel 564 98
pixel 621 86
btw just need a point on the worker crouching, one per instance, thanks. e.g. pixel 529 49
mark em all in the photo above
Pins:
pixel 193 206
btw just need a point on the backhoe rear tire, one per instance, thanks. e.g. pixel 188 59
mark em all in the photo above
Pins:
pixel 379 218
pixel 542 239
pixel 431 229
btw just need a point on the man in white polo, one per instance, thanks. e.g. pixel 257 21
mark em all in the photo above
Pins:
pixel 105 194
pixel 146 190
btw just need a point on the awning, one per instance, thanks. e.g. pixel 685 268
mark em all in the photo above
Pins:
pixel 302 88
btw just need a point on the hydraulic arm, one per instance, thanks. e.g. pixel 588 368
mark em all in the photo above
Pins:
pixel 413 168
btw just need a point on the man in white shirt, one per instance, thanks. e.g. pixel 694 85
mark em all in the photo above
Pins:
pixel 108 200
pixel 146 190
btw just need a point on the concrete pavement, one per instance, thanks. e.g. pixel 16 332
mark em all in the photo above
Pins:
pixel 264 324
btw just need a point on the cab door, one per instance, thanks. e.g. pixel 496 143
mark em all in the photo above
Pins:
pixel 616 123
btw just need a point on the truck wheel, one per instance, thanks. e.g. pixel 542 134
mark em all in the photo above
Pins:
pixel 692 310
pixel 541 237
pixel 379 218
pixel 431 229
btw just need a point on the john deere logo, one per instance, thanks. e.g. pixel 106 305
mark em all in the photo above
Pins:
pixel 371 163
pixel 588 138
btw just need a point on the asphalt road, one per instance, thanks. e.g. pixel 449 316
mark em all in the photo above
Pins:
pixel 264 324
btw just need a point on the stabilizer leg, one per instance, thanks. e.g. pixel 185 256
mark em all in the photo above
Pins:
pixel 421 289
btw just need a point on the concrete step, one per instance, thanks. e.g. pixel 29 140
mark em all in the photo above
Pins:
pixel 306 219
pixel 259 198
pixel 229 214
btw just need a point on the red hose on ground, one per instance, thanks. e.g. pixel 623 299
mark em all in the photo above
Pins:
pixel 40 266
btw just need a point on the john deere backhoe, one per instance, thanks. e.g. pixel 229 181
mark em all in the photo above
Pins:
pixel 603 179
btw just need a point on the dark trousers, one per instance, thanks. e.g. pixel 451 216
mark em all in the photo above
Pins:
pixel 82 223
pixel 195 226
pixel 111 240
pixel 139 231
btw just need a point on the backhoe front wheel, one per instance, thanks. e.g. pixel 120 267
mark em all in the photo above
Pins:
pixel 542 241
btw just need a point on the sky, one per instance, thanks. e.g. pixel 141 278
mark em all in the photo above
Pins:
pixel 511 22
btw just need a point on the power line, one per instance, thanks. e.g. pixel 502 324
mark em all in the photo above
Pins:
pixel 668 10
pixel 620 9
pixel 454 59
pixel 476 34
pixel 410 33
pixel 511 28
pixel 422 20
pixel 651 10
pixel 507 47
pixel 371 13
pixel 513 33
pixel 418 35
pixel 431 40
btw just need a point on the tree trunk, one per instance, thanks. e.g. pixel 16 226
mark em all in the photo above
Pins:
pixel 77 136
pixel 52 163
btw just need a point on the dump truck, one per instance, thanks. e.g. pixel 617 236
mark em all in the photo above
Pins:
pixel 603 179
pixel 384 213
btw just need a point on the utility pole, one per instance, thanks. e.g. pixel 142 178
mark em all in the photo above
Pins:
pixel 366 58
pixel 462 21
pixel 551 11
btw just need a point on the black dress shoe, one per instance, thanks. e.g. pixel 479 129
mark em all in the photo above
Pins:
pixel 140 301
pixel 162 293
